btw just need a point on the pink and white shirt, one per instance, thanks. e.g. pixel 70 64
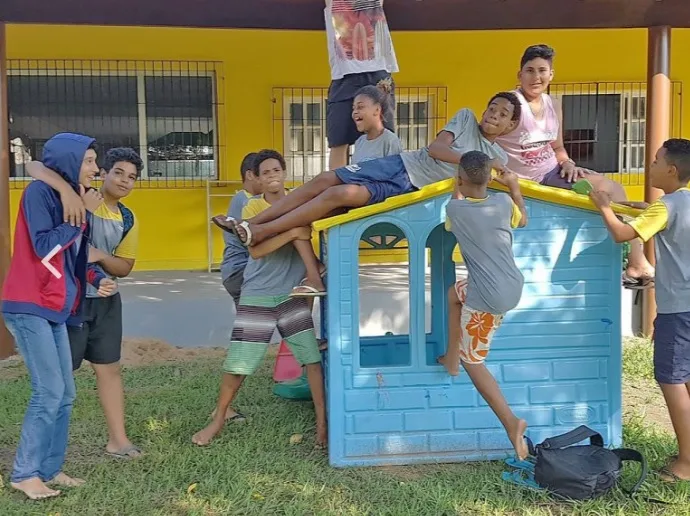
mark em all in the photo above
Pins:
pixel 528 146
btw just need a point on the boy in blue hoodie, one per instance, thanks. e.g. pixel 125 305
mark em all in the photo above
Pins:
pixel 43 290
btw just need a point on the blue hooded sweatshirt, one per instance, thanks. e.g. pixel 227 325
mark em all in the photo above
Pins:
pixel 52 289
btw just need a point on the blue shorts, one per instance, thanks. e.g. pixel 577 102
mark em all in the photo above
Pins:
pixel 383 177
pixel 672 348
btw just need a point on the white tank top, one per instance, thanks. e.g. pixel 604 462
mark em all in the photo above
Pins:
pixel 358 38
pixel 528 146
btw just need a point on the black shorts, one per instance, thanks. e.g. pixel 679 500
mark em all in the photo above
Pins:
pixel 672 348
pixel 233 284
pixel 99 340
pixel 340 128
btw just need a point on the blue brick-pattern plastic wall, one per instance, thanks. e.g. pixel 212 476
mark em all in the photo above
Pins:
pixel 557 356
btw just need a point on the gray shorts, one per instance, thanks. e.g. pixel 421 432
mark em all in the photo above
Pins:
pixel 233 284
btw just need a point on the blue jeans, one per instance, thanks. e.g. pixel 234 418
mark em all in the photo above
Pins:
pixel 46 352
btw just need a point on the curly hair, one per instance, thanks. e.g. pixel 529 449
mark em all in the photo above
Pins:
pixel 125 154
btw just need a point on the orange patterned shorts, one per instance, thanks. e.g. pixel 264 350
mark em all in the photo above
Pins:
pixel 477 329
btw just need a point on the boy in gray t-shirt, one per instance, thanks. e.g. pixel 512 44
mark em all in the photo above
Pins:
pixel 483 225
pixel 265 304
pixel 668 222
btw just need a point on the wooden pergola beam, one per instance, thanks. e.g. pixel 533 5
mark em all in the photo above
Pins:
pixel 658 130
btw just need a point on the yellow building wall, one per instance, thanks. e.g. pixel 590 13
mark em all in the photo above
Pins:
pixel 472 65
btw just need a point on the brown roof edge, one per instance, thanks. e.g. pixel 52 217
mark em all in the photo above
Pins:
pixel 308 14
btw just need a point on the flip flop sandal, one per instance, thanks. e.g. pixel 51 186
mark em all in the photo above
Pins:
pixel 244 225
pixel 525 465
pixel 126 453
pixel 310 292
pixel 582 187
pixel 636 283
pixel 668 476
pixel 521 478
pixel 222 226
pixel 237 418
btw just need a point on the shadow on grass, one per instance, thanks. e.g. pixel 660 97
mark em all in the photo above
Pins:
pixel 253 469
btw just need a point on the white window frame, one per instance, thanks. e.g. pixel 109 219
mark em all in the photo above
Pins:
pixel 624 147
pixel 141 104
pixel 629 118
pixel 317 161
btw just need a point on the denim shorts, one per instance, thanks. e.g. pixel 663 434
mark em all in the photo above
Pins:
pixel 672 348
pixel 383 177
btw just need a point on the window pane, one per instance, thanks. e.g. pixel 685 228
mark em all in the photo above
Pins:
pixel 313 114
pixel 104 107
pixel 420 112
pixel 179 123
pixel 403 113
pixel 296 114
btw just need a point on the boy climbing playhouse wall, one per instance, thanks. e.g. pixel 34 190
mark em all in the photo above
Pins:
pixel 557 356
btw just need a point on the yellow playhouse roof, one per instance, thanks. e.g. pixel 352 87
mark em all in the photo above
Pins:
pixel 530 189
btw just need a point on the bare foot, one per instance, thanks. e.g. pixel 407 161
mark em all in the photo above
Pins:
pixel 676 471
pixel 453 369
pixel 205 436
pixel 646 273
pixel 35 489
pixel 65 481
pixel 321 437
pixel 517 438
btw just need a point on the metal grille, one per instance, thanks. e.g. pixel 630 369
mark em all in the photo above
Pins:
pixel 604 126
pixel 166 110
pixel 299 124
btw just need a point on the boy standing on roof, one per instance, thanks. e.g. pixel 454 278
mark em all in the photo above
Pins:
pixel 43 291
pixel 668 222
pixel 483 226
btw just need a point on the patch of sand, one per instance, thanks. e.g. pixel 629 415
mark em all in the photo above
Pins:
pixel 643 398
pixel 142 352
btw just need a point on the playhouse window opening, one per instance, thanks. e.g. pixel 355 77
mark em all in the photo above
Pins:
pixel 384 294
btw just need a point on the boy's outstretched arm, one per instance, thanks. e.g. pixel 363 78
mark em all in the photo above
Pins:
pixel 73 207
pixel 620 231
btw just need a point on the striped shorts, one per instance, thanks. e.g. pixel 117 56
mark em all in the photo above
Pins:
pixel 256 320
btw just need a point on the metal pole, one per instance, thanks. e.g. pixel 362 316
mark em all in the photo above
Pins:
pixel 658 127
pixel 6 342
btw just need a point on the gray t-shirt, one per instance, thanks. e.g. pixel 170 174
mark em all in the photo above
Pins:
pixel 672 247
pixel 235 254
pixel 484 232
pixel 387 144
pixel 425 170
pixel 275 274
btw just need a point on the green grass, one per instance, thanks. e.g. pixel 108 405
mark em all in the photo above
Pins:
pixel 252 468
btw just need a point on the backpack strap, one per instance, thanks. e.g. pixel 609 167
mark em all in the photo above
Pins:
pixel 127 219
pixel 626 454
pixel 573 437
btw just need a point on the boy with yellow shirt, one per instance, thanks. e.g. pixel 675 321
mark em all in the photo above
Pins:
pixel 112 250
pixel 265 303
pixel 668 222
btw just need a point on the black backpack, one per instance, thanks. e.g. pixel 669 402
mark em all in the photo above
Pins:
pixel 581 472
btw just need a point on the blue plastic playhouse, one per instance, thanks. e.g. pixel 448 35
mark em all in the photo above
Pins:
pixel 557 356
